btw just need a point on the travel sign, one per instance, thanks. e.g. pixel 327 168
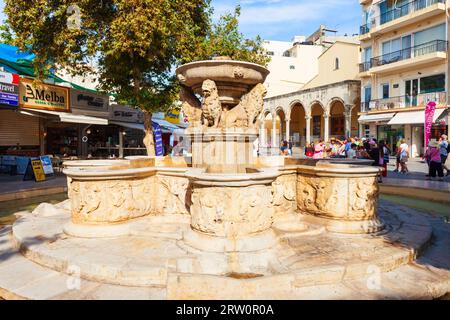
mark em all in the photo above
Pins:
pixel 9 89
pixel 43 96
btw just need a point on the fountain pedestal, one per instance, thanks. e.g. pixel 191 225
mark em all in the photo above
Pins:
pixel 223 150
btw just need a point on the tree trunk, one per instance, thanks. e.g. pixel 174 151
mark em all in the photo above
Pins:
pixel 149 141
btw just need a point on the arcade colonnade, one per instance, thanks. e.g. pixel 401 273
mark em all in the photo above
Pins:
pixel 308 115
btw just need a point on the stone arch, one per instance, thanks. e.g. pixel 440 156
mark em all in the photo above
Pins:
pixel 337 112
pixel 318 110
pixel 297 117
pixel 280 119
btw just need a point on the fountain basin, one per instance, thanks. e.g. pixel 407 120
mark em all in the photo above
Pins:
pixel 232 206
pixel 343 198
pixel 233 78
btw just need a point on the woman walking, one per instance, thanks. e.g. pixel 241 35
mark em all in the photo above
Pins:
pixel 434 154
pixel 403 156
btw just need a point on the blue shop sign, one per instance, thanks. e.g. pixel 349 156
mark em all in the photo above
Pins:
pixel 9 89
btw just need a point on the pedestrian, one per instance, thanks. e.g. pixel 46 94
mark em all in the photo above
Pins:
pixel 444 148
pixel 319 149
pixel 309 151
pixel 362 153
pixel 402 157
pixel 385 152
pixel 434 154
pixel 351 153
pixel 285 149
pixel 377 156
pixel 333 148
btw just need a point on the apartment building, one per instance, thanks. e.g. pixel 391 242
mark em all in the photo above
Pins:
pixel 404 66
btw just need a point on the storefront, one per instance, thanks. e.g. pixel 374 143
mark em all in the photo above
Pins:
pixel 62 116
pixel 410 125
pixel 20 134
pixel 391 134
pixel 129 123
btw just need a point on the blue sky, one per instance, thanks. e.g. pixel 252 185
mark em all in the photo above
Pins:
pixel 282 19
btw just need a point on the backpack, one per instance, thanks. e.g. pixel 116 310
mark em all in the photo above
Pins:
pixel 448 147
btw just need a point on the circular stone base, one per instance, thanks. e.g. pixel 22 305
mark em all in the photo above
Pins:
pixel 204 242
pixel 347 227
pixel 163 252
pixel 96 231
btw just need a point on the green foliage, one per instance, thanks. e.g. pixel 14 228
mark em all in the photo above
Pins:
pixel 6 35
pixel 135 42
pixel 225 39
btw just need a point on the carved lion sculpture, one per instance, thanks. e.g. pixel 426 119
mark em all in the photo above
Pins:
pixel 192 107
pixel 248 110
pixel 212 108
pixel 254 103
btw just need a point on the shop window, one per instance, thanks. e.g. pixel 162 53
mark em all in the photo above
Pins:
pixel 434 83
pixel 367 131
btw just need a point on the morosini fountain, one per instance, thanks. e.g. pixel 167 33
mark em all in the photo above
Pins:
pixel 225 224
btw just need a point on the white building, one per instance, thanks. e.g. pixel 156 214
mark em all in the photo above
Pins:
pixel 293 65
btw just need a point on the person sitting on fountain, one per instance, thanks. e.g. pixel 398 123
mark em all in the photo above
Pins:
pixel 285 149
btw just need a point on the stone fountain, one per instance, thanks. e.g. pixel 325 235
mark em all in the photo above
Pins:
pixel 228 225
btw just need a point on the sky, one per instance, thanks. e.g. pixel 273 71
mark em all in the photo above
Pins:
pixel 283 19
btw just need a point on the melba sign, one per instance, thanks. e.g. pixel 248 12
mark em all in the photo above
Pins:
pixel 43 96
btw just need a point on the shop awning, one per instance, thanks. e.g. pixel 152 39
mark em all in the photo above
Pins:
pixel 69 117
pixel 415 117
pixel 376 117
pixel 165 125
pixel 130 125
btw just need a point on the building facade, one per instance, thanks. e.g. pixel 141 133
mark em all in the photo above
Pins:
pixel 404 66
pixel 327 106
pixel 292 65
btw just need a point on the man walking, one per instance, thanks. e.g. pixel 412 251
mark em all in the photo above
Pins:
pixel 444 148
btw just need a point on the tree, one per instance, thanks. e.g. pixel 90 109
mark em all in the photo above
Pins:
pixel 224 39
pixel 6 35
pixel 136 43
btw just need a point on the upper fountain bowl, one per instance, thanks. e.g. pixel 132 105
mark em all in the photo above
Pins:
pixel 233 78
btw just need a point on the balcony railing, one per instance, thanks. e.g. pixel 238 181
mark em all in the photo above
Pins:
pixel 364 29
pixel 397 12
pixel 365 66
pixel 405 9
pixel 402 102
pixel 416 51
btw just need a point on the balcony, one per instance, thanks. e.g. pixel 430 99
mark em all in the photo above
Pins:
pixel 365 66
pixel 406 9
pixel 403 102
pixel 401 16
pixel 417 56
pixel 365 29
